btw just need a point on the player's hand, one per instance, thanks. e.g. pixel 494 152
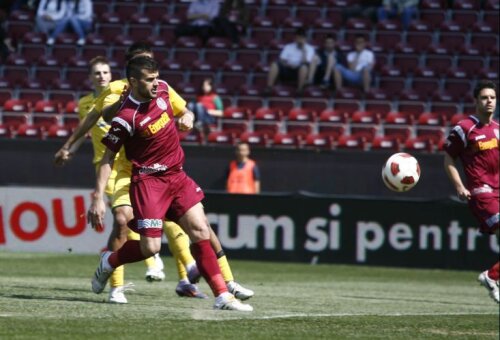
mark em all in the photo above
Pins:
pixel 62 156
pixel 463 194
pixel 186 121
pixel 95 215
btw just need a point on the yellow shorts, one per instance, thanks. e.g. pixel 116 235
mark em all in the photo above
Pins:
pixel 122 185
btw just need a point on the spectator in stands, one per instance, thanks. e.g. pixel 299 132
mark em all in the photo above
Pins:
pixel 406 9
pixel 49 13
pixel 293 63
pixel 5 42
pixel 200 17
pixel 243 175
pixel 361 62
pixel 208 106
pixel 77 14
pixel 366 9
pixel 324 61
pixel 232 21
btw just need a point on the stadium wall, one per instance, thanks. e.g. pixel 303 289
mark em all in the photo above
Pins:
pixel 292 228
pixel 29 162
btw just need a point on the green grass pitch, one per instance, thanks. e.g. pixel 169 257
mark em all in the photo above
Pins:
pixel 47 296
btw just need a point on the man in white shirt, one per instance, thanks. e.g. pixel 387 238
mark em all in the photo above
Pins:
pixel 361 62
pixel 293 63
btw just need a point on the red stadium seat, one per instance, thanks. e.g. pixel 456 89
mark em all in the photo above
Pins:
pixel 285 140
pixel 44 121
pixel 351 142
pixel 318 141
pixel 418 144
pixel 28 131
pixel 254 138
pixel 181 59
pixel 232 82
pixel 214 59
pixel 457 118
pixel 406 63
pixel 316 105
pixel 221 138
pixel 57 131
pixel 466 4
pixel 416 42
pixel 398 125
pixel 393 86
pixel 17 105
pixel 412 108
pixel 434 17
pixel 425 87
pixel 308 15
pixel 385 143
pixel 155 12
pixel 439 64
pixel 346 106
pixel 381 108
pixel 47 106
pixel 486 43
pixel 245 60
pixel 454 90
pixel 491 19
pixel 448 110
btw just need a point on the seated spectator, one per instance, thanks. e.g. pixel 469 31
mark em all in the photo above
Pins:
pixel 207 107
pixel 365 9
pixel 232 21
pixel 406 9
pixel 78 14
pixel 324 61
pixel 361 62
pixel 49 13
pixel 293 63
pixel 5 42
pixel 200 16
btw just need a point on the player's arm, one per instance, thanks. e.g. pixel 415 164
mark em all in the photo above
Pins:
pixel 97 208
pixel 70 147
pixel 452 171
pixel 113 102
pixel 186 120
pixel 256 179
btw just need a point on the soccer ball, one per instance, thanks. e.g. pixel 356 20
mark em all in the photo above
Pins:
pixel 401 172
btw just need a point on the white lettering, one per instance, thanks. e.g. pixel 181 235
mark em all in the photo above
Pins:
pixel 363 243
pixel 454 231
pixel 318 240
pixel 400 236
pixel 435 231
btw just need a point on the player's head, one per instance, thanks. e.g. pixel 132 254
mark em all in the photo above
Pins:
pixel 99 72
pixel 485 97
pixel 142 74
pixel 140 48
pixel 242 151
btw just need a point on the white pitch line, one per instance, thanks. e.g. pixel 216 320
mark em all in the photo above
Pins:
pixel 304 315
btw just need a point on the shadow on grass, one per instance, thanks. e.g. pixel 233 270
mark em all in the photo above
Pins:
pixel 51 298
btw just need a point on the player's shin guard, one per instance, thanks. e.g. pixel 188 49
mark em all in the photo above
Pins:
pixel 208 266
pixel 130 252
pixel 227 274
pixel 493 272
pixel 117 278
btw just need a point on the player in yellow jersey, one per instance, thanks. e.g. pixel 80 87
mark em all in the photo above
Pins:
pixel 100 76
pixel 107 105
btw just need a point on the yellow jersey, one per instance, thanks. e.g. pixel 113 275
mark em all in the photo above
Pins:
pixel 85 105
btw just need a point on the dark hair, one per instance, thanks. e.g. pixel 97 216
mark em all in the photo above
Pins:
pixel 136 65
pixel 210 81
pixel 484 84
pixel 138 48
pixel 359 35
pixel 301 31
pixel 97 60
pixel 330 36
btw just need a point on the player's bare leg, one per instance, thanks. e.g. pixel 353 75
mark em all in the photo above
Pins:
pixel 195 224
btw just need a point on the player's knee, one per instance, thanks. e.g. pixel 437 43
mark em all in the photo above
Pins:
pixel 121 216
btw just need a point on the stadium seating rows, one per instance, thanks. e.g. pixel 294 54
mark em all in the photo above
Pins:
pixel 426 71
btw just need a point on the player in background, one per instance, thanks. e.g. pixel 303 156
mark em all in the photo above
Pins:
pixel 160 189
pixel 474 141
pixel 100 76
pixel 107 105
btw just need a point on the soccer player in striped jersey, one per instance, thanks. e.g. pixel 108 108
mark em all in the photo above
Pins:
pixel 100 77
pixel 474 141
pixel 107 105
pixel 146 127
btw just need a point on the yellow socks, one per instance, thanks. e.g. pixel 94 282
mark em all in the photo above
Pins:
pixel 227 274
pixel 178 243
